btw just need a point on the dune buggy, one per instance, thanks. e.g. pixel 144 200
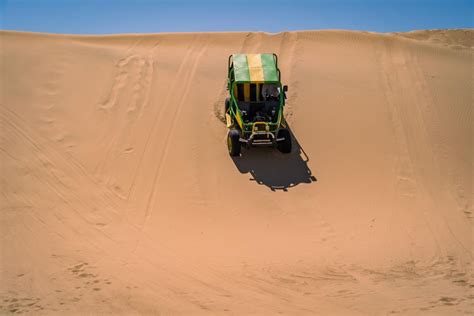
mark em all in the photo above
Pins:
pixel 254 109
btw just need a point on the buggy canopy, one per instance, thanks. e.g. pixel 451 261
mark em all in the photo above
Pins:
pixel 257 68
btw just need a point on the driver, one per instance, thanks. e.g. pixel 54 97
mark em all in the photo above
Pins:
pixel 270 91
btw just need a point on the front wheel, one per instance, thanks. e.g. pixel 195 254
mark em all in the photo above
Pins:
pixel 233 143
pixel 285 145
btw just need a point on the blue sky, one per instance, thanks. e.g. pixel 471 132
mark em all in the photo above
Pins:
pixel 147 16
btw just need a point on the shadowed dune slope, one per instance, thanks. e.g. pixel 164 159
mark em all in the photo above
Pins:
pixel 118 195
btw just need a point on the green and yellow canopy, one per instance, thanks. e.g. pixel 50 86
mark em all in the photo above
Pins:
pixel 255 68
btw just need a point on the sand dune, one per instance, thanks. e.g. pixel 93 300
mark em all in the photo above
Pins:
pixel 119 196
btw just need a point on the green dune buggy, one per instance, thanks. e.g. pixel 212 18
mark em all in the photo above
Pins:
pixel 254 109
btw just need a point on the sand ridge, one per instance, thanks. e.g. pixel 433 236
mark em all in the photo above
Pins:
pixel 119 196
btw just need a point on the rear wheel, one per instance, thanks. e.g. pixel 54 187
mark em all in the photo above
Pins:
pixel 233 143
pixel 285 145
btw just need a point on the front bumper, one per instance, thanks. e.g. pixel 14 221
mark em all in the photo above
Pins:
pixel 261 135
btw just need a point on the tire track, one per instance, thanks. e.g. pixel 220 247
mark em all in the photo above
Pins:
pixel 428 143
pixel 175 116
pixel 407 184
pixel 158 117
pixel 120 79
pixel 406 106
pixel 55 184
pixel 112 96
pixel 49 157
pixel 406 178
pixel 134 74
pixel 57 173
pixel 440 151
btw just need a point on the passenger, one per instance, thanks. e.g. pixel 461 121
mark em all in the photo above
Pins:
pixel 270 92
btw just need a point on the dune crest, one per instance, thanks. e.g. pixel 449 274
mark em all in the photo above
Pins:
pixel 457 39
pixel 119 196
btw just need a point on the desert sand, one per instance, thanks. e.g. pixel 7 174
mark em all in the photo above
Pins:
pixel 118 195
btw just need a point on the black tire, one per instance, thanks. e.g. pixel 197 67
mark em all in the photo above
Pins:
pixel 227 104
pixel 233 143
pixel 285 145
